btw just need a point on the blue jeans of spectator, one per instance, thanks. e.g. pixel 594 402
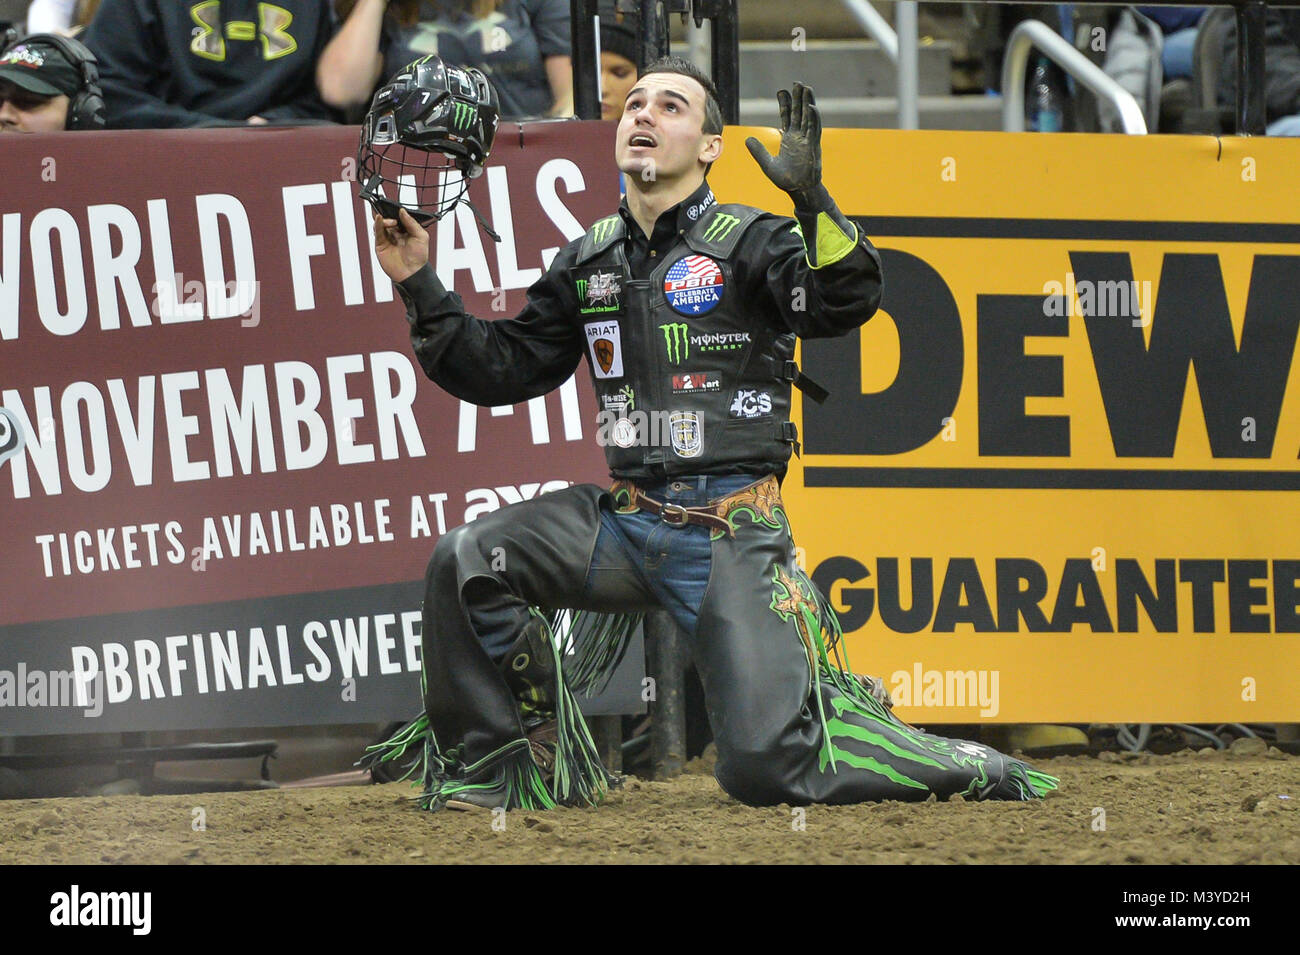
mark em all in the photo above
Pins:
pixel 1286 126
pixel 1176 55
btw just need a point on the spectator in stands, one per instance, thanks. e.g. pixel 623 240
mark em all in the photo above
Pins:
pixel 1281 71
pixel 65 17
pixel 1131 45
pixel 1178 26
pixel 46 87
pixel 618 43
pixel 220 63
pixel 521 45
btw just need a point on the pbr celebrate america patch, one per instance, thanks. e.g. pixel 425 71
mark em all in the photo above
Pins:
pixel 693 285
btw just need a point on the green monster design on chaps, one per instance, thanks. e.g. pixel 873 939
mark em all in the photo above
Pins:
pixel 792 722
pixel 862 733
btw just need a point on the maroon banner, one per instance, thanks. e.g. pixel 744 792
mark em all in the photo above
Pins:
pixel 213 379
pixel 222 470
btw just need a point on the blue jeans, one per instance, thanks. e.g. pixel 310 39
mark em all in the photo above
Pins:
pixel 638 562
pixel 672 563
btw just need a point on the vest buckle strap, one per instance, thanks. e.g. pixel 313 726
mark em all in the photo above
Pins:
pixel 788 370
pixel 789 434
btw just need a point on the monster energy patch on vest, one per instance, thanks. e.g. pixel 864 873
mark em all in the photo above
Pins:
pixel 600 291
pixel 693 285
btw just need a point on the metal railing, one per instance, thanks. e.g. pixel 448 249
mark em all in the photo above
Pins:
pixel 900 46
pixel 652 17
pixel 1035 35
pixel 876 26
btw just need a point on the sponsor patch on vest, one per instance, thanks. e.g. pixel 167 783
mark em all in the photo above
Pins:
pixel 679 340
pixel 693 285
pixel 687 433
pixel 606 349
pixel 620 402
pixel 623 433
pixel 696 381
pixel 600 291
pixel 749 403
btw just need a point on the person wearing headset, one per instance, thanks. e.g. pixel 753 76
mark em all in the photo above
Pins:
pixel 48 83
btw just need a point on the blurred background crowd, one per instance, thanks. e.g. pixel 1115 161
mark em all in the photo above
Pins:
pixel 190 63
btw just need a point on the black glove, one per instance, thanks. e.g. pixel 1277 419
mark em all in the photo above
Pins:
pixel 797 166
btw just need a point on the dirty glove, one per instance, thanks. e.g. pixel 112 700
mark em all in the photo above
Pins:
pixel 797 169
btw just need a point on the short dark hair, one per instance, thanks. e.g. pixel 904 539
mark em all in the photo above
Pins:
pixel 712 108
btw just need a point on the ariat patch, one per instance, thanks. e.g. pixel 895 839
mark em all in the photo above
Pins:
pixel 697 210
pixel 606 349
pixel 693 285
pixel 600 291
pixel 687 433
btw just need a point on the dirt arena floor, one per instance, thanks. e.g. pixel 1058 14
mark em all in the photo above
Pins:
pixel 1183 808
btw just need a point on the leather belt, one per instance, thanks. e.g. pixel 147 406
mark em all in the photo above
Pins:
pixel 675 515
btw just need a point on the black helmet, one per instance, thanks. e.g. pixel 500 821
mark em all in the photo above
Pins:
pixel 428 108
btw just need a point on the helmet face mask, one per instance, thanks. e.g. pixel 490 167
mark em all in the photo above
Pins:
pixel 428 132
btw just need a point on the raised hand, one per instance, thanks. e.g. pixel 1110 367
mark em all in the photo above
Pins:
pixel 797 166
pixel 402 247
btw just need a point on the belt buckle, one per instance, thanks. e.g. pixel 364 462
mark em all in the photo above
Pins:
pixel 674 510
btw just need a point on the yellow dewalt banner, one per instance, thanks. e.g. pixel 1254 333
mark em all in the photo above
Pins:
pixel 1057 476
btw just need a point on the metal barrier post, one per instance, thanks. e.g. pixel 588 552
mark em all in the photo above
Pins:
pixel 666 663
pixel 586 65
pixel 909 116
pixel 1251 114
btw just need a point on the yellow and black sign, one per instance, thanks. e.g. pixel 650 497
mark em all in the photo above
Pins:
pixel 1057 476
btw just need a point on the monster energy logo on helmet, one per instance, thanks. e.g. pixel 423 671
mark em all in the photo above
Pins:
pixel 720 227
pixel 462 115
pixel 676 341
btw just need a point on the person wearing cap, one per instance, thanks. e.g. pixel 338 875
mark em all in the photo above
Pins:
pixel 37 83
pixel 618 73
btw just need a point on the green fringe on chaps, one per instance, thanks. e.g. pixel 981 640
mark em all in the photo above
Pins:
pixel 792 721
pixel 510 773
pixel 594 644
pixel 859 731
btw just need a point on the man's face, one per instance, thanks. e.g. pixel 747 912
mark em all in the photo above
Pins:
pixel 25 112
pixel 660 135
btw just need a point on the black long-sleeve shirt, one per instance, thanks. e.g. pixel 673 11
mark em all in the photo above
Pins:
pixel 511 360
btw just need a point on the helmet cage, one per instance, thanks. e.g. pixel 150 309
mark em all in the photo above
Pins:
pixel 428 132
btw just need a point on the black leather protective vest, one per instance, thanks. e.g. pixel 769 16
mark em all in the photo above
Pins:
pixel 689 378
